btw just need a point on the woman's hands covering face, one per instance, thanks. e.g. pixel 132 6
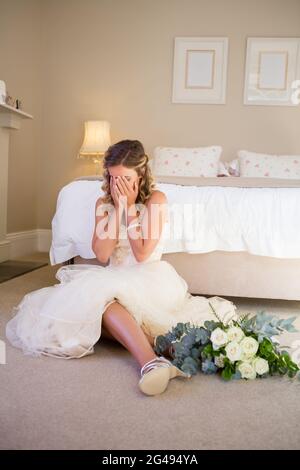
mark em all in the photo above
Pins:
pixel 123 193
pixel 114 191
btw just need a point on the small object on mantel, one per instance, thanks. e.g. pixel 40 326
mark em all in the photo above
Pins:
pixel 10 100
pixel 6 98
pixel 2 92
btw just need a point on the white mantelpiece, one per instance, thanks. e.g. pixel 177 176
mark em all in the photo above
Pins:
pixel 10 118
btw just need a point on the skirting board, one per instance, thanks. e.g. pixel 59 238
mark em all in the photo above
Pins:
pixel 28 241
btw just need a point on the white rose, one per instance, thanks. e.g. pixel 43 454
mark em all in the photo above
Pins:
pixel 235 334
pixel 246 357
pixel 247 370
pixel 260 365
pixel 219 337
pixel 249 346
pixel 219 360
pixel 233 351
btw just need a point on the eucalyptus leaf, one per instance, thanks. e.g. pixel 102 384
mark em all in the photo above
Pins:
pixel 202 335
pixel 209 367
pixel 190 365
pixel 237 375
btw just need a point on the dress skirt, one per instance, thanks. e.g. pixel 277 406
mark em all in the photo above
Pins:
pixel 64 320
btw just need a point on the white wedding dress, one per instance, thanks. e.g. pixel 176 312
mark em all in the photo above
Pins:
pixel 64 320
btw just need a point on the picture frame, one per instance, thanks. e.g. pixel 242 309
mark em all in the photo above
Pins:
pixel 272 71
pixel 200 70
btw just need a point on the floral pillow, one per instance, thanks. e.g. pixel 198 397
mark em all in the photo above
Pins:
pixel 186 161
pixel 272 166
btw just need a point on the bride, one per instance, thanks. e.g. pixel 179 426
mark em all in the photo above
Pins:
pixel 134 298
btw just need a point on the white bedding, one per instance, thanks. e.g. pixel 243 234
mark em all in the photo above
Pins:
pixel 262 221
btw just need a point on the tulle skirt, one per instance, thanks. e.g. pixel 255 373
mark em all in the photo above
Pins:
pixel 64 320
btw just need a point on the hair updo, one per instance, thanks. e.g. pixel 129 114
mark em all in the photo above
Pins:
pixel 131 154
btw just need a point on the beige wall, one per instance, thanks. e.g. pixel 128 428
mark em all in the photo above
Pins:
pixel 20 68
pixel 112 59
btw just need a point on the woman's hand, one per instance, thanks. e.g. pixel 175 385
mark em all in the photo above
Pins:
pixel 127 191
pixel 115 193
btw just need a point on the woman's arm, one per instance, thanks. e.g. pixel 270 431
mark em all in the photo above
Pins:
pixel 106 232
pixel 144 239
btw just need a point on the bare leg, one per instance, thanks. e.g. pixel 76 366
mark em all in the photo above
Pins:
pixel 124 328
pixel 165 353
pixel 105 333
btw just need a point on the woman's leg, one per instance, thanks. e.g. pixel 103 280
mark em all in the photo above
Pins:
pixel 105 333
pixel 123 327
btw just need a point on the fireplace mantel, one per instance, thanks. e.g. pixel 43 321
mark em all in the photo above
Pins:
pixel 10 119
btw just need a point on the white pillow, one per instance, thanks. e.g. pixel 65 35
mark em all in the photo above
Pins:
pixel 272 166
pixel 186 161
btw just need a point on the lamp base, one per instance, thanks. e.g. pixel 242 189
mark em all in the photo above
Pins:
pixel 99 166
pixel 97 159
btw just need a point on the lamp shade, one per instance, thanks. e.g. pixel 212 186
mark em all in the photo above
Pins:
pixel 96 138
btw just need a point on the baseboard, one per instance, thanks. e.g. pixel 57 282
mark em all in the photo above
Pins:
pixel 4 250
pixel 23 243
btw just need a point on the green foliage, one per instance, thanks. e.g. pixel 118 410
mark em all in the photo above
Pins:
pixel 229 370
pixel 190 365
pixel 208 367
pixel 193 351
pixel 266 326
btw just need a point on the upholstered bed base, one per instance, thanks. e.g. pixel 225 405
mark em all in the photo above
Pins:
pixel 236 274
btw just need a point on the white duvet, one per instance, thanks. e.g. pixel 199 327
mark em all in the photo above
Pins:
pixel 262 221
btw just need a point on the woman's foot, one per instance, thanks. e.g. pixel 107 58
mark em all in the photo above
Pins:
pixel 156 375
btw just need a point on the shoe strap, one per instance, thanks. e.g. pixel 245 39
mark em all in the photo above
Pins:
pixel 158 361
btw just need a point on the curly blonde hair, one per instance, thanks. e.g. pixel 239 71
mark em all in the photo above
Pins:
pixel 131 154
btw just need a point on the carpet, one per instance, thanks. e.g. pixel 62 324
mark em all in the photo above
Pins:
pixel 95 403
pixel 13 268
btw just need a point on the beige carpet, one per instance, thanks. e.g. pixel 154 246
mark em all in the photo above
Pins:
pixel 94 402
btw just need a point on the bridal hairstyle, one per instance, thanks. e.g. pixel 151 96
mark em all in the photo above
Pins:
pixel 131 154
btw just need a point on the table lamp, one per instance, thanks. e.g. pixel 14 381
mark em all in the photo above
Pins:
pixel 96 141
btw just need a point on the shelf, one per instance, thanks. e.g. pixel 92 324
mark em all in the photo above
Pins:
pixel 5 108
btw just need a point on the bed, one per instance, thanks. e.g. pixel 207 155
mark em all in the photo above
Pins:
pixel 238 236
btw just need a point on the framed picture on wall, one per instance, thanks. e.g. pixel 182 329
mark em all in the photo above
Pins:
pixel 200 70
pixel 272 71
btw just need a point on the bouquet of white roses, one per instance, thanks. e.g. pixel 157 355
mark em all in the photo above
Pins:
pixel 241 348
